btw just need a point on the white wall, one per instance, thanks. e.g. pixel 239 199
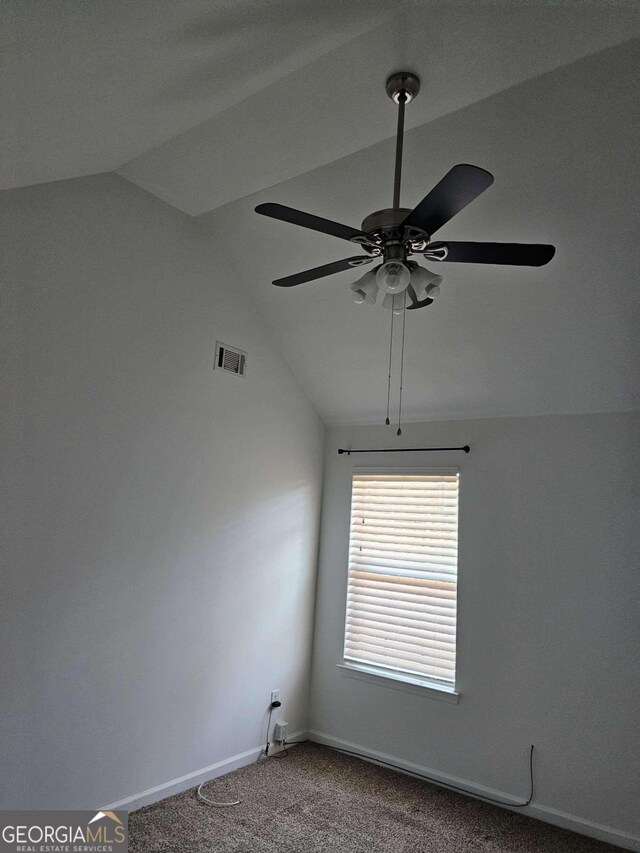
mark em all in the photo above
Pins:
pixel 548 630
pixel 160 518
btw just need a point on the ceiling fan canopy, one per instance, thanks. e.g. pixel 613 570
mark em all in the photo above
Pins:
pixel 392 235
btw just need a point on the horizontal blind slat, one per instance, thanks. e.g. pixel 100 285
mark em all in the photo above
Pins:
pixel 447 539
pixel 419 522
pixel 435 570
pixel 406 651
pixel 398 623
pixel 400 665
pixel 431 642
pixel 424 520
pixel 396 559
pixel 406 617
pixel 413 479
pixel 411 574
pixel 417 603
pixel 405 485
pixel 409 628
pixel 425 545
pixel 394 578
pixel 378 595
pixel 443 505
pixel 381 550
pixel 433 588
pixel 443 668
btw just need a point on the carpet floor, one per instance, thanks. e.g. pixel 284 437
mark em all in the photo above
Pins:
pixel 316 799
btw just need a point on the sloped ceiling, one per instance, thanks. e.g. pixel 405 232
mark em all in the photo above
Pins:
pixel 217 106
pixel 499 340
pixel 87 86
pixel 336 105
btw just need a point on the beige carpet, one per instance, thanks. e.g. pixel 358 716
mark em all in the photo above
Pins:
pixel 319 800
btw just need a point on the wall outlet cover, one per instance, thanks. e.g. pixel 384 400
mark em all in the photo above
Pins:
pixel 280 732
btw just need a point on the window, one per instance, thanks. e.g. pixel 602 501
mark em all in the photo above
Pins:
pixel 401 599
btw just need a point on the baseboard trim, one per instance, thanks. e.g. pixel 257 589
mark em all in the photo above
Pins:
pixel 544 813
pixel 183 783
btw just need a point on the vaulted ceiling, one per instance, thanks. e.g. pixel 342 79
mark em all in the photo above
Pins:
pixel 215 107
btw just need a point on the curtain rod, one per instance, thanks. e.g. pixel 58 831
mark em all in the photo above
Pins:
pixel 348 451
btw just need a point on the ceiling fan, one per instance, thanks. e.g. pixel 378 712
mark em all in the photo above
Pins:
pixel 393 234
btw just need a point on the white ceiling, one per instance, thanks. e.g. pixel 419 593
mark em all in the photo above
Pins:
pixel 335 105
pixel 88 86
pixel 218 105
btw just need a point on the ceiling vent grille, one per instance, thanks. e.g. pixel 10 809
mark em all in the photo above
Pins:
pixel 231 359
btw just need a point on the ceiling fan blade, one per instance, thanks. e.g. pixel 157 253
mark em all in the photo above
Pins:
pixel 326 269
pixel 456 190
pixel 415 302
pixel 516 254
pixel 415 305
pixel 315 223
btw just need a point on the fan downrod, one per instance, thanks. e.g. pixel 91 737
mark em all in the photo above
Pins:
pixel 403 81
pixel 402 88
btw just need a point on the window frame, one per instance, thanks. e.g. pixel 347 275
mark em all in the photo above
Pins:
pixel 388 677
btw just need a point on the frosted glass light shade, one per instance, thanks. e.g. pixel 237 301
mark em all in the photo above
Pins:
pixel 365 289
pixel 433 290
pixel 393 277
pixel 395 301
pixel 421 279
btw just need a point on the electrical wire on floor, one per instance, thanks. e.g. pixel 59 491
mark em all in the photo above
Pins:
pixel 209 802
pixel 282 754
pixel 456 788
pixel 285 743
pixel 284 751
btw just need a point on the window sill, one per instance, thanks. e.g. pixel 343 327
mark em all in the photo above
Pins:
pixel 407 683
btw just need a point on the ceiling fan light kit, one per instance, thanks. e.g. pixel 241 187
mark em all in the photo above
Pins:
pixel 393 234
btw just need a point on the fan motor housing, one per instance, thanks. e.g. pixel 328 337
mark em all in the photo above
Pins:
pixel 388 219
pixel 385 228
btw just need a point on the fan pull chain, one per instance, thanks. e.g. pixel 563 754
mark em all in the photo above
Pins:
pixel 404 317
pixel 387 421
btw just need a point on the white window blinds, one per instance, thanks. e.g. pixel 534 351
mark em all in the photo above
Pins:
pixel 403 555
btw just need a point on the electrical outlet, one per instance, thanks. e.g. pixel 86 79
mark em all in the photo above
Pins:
pixel 275 696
